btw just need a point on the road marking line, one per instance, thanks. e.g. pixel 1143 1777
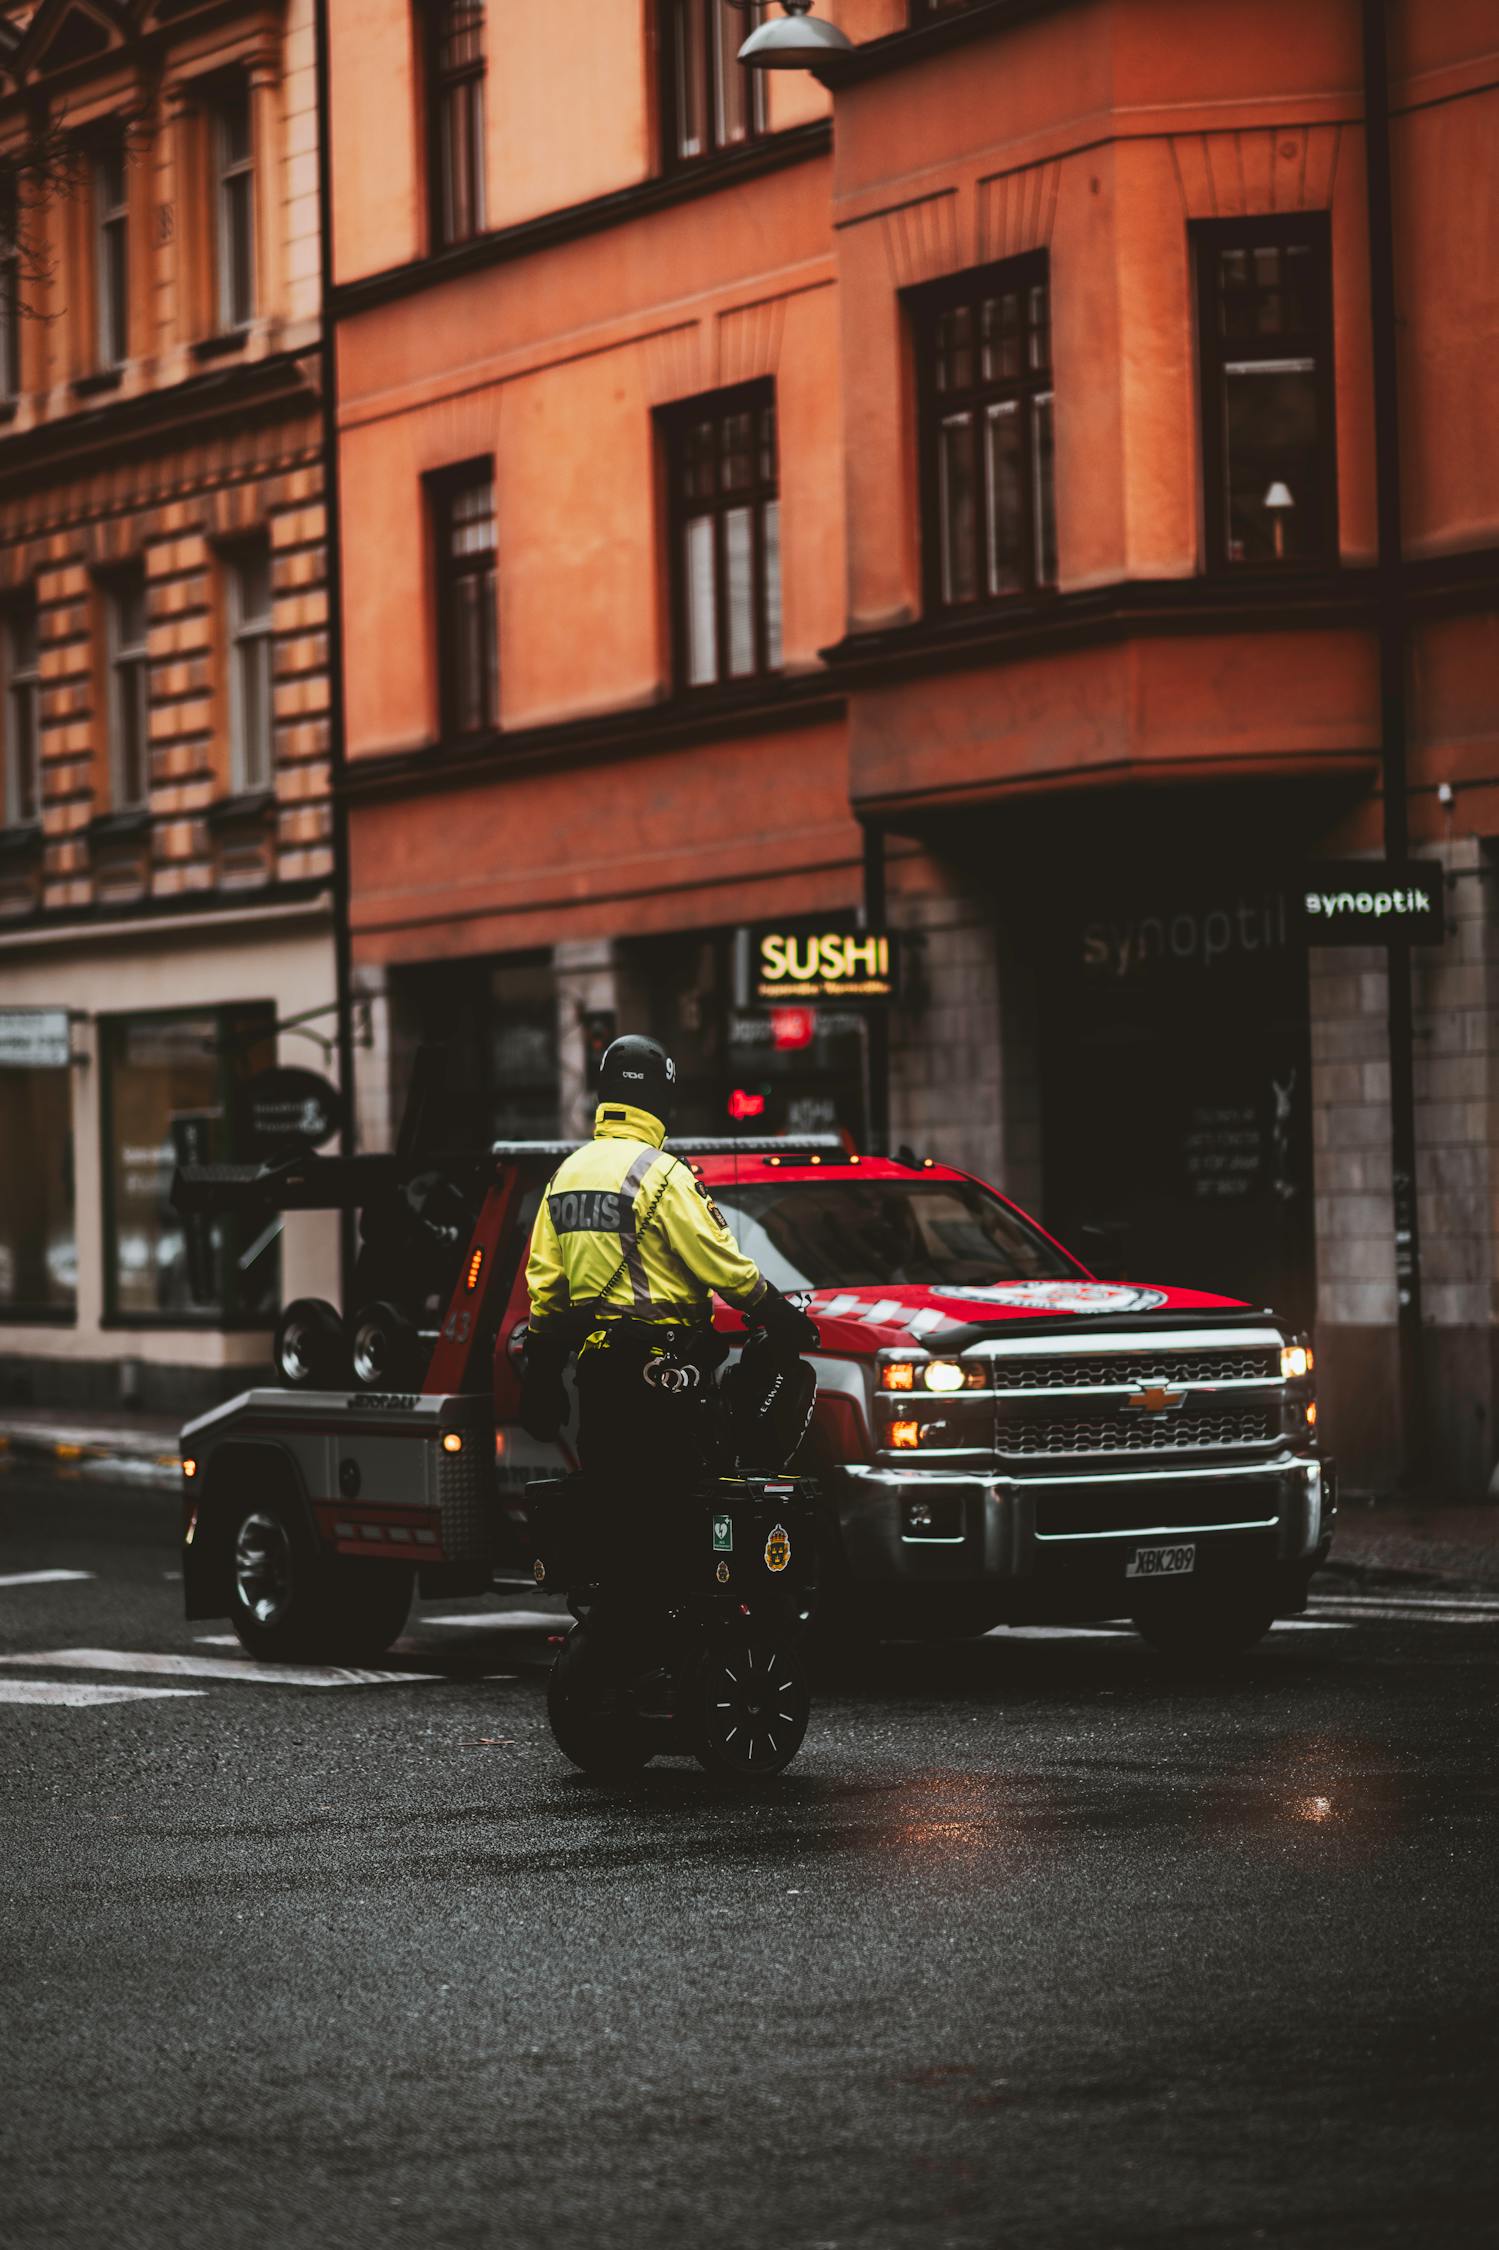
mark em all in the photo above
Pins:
pixel 503 1617
pixel 1402 1613
pixel 42 1577
pixel 214 1668
pixel 1418 1604
pixel 77 1692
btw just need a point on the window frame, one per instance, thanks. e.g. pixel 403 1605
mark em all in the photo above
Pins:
pixel 441 82
pixel 712 23
pixel 927 305
pixel 445 487
pixel 129 685
pixel 236 1024
pixel 1207 237
pixel 228 171
pixel 676 422
pixel 249 638
pixel 22 685
pixel 111 230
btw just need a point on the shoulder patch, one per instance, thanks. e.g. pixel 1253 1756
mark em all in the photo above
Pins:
pixel 713 1211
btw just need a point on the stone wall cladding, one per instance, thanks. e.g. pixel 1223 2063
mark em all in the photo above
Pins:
pixel 1457 1122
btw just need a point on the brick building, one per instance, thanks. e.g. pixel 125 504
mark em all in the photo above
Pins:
pixel 958 490
pixel 165 862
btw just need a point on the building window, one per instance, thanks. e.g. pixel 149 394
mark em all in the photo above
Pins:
pixel 248 589
pixel 234 241
pixel 986 435
pixel 111 254
pixel 710 102
pixel 129 689
pixel 1264 301
pixel 23 780
pixel 455 80
pixel 38 1248
pixel 467 600
pixel 725 537
pixel 174 1088
pixel 10 287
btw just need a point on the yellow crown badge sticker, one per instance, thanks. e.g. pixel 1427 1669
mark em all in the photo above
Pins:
pixel 778 1548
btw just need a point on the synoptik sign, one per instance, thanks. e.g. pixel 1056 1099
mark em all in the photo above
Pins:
pixel 1369 902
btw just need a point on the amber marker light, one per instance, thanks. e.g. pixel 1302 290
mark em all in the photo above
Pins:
pixel 1295 1361
pixel 189 1466
pixel 905 1433
pixel 452 1441
pixel 475 1268
pixel 898 1375
pixel 1311 1413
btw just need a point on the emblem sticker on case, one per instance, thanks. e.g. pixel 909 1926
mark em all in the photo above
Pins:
pixel 778 1548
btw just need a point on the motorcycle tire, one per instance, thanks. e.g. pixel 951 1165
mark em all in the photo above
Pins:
pixel 748 1703
pixel 588 1708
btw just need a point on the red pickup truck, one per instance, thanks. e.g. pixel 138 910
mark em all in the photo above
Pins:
pixel 999 1436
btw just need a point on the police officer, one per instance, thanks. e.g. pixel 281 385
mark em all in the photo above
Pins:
pixel 627 1250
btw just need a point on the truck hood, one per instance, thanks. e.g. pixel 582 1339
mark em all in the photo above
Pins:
pixel 860 1322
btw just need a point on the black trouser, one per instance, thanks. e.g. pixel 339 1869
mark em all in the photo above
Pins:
pixel 636 1438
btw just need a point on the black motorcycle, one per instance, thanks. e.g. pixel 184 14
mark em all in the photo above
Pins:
pixel 689 1613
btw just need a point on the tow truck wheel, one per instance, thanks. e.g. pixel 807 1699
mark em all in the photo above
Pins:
pixel 750 1704
pixel 311 1349
pixel 589 1710
pixel 286 1601
pixel 1195 1624
pixel 385 1348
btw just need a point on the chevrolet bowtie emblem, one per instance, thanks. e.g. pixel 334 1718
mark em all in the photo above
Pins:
pixel 1156 1399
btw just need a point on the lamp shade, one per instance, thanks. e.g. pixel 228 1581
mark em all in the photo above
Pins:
pixel 797 40
pixel 1279 496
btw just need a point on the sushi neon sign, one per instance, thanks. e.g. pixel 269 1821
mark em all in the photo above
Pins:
pixel 824 965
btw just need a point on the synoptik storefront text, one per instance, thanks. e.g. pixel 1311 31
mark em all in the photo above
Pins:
pixel 1175 1074
pixel 768 1026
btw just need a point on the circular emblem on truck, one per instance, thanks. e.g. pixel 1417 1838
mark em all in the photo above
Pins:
pixel 1059 1296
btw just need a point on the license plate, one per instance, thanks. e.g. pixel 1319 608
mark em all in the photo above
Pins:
pixel 1161 1562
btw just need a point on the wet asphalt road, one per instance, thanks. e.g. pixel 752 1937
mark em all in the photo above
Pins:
pixel 1035 1945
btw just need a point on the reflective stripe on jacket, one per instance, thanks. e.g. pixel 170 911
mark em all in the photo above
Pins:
pixel 624 1219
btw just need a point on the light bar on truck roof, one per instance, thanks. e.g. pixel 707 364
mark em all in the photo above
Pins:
pixel 822 1145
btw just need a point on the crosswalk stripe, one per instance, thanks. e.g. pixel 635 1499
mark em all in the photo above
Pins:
pixel 1375 1612
pixel 213 1668
pixel 76 1692
pixel 42 1577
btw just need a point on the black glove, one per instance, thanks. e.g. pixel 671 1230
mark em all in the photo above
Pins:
pixel 543 1406
pixel 543 1398
pixel 784 1322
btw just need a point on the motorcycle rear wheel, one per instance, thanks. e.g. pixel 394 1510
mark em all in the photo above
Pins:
pixel 749 1704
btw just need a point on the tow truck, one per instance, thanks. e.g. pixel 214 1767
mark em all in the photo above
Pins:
pixel 1000 1436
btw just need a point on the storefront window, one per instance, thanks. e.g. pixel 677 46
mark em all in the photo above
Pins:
pixel 174 1087
pixel 38 1250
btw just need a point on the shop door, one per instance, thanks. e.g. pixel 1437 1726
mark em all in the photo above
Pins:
pixel 1176 1082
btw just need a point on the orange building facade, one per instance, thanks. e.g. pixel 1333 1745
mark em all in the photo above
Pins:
pixel 955 498
pixel 166 893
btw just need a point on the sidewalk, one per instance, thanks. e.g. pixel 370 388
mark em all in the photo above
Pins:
pixel 1373 1538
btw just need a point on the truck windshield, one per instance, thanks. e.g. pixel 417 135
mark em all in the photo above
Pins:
pixel 852 1233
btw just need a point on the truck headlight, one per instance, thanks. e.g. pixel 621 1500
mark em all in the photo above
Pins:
pixel 943 1375
pixel 1296 1361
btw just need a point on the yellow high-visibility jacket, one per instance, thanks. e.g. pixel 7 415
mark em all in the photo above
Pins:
pixel 596 1232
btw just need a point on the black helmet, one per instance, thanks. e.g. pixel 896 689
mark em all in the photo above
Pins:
pixel 640 1072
